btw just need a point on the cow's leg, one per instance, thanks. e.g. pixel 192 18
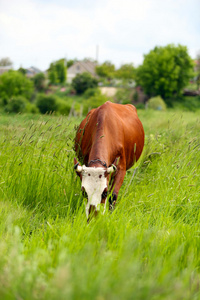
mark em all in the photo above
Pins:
pixel 116 185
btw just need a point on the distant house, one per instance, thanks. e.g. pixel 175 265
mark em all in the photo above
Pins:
pixel 4 69
pixel 80 67
pixel 32 71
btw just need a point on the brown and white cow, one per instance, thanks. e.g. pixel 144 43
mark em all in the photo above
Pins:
pixel 109 140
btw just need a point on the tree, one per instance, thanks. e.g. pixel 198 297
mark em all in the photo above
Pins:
pixel 22 70
pixel 126 72
pixel 52 74
pixel 106 70
pixel 57 72
pixel 83 81
pixel 197 69
pixel 39 81
pixel 61 70
pixel 14 83
pixel 165 71
pixel 70 62
pixel 5 62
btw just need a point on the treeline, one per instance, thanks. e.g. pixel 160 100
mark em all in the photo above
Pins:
pixel 165 72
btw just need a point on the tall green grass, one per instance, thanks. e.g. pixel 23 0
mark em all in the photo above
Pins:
pixel 148 248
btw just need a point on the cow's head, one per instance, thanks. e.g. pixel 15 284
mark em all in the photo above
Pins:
pixel 94 185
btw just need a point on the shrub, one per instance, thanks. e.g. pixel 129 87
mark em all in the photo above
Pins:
pixel 39 81
pixel 14 83
pixel 186 103
pixel 94 102
pixel 16 104
pixel 63 107
pixel 140 106
pixel 91 92
pixel 46 103
pixel 32 108
pixel 157 103
pixel 84 81
pixel 123 96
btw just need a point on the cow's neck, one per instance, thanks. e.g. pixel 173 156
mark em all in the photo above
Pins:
pixel 99 151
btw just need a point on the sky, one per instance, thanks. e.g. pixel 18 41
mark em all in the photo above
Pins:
pixel 38 32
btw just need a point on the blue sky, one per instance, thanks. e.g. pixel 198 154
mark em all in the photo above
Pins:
pixel 37 32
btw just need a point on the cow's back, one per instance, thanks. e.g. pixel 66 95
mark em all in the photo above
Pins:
pixel 114 128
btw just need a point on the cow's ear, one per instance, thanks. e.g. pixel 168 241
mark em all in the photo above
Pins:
pixel 75 162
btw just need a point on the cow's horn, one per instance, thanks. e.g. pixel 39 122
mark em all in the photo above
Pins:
pixel 78 168
pixel 111 169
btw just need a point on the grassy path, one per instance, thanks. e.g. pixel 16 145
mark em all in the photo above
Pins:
pixel 148 248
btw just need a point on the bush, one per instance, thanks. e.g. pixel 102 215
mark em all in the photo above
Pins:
pixel 186 103
pixel 16 105
pixel 123 96
pixel 14 83
pixel 91 92
pixel 94 102
pixel 46 103
pixel 157 103
pixel 83 81
pixel 39 81
pixel 140 106
pixel 32 108
pixel 63 107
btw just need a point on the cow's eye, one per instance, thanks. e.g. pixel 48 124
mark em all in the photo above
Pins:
pixel 104 194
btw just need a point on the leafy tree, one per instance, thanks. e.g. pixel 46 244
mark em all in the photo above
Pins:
pixel 83 81
pixel 106 70
pixel 61 70
pixel 14 83
pixel 126 72
pixel 57 72
pixel 22 70
pixel 165 71
pixel 39 81
pixel 70 62
pixel 5 62
pixel 198 70
pixel 52 74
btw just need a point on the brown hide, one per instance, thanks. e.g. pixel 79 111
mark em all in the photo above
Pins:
pixel 108 132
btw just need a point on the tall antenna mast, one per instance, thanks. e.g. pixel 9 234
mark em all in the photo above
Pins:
pixel 97 53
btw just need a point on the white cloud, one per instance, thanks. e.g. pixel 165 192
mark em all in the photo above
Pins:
pixel 35 33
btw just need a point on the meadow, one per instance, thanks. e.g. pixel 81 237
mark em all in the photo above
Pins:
pixel 147 248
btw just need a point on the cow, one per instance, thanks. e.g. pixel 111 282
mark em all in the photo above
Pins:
pixel 108 142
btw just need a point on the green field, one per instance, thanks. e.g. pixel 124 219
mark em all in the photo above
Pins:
pixel 148 248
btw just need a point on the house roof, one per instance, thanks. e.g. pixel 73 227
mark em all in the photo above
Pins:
pixel 4 69
pixel 33 70
pixel 85 66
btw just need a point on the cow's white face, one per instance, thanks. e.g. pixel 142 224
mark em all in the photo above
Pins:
pixel 94 184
